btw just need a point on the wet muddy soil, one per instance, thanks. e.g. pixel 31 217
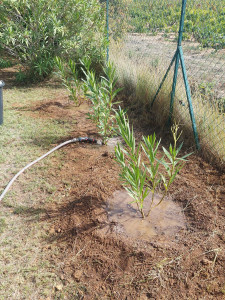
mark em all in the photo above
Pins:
pixel 163 221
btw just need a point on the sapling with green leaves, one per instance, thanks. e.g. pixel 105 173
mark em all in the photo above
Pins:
pixel 91 92
pixel 141 175
pixel 102 94
pixel 132 175
pixel 150 147
pixel 69 75
pixel 173 164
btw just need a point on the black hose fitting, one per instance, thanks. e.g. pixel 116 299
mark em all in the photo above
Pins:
pixel 88 140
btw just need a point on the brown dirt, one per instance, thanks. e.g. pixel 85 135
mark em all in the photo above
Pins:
pixel 111 265
pixel 189 265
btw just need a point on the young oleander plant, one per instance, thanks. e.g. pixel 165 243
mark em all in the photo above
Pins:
pixel 150 147
pixel 133 175
pixel 172 163
pixel 69 75
pixel 102 94
pixel 140 170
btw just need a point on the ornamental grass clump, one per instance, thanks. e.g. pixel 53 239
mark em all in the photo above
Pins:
pixel 141 173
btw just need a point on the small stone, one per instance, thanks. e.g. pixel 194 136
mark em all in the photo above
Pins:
pixel 52 230
pixel 205 261
pixel 59 287
pixel 77 275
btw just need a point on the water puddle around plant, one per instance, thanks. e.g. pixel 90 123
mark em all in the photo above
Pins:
pixel 164 220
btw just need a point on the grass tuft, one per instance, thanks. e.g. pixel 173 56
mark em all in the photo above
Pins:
pixel 2 225
pixel 26 270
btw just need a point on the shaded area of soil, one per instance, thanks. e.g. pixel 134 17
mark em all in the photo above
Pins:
pixel 111 265
pixel 8 75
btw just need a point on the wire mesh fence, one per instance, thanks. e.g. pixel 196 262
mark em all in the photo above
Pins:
pixel 143 41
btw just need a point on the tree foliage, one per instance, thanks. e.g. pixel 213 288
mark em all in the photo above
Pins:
pixel 35 31
pixel 204 20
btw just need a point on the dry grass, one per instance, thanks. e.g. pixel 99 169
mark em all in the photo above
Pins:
pixel 27 270
pixel 141 81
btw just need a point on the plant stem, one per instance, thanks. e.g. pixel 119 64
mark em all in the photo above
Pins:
pixel 142 213
pixel 153 194
pixel 161 200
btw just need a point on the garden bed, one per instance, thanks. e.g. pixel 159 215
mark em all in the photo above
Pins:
pixel 89 257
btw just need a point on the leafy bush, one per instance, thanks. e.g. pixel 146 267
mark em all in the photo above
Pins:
pixel 5 63
pixel 140 178
pixel 69 75
pixel 36 31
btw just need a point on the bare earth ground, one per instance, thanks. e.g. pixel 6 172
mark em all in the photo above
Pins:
pixel 90 259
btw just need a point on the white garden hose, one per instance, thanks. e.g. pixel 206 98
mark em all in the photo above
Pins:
pixel 80 139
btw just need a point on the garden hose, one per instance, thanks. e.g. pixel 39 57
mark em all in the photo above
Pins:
pixel 75 140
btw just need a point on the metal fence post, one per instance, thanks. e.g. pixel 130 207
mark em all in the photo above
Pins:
pixel 188 94
pixel 1 101
pixel 181 29
pixel 178 57
pixel 107 29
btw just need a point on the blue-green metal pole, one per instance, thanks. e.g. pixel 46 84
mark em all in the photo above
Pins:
pixel 107 29
pixel 188 93
pixel 1 101
pixel 181 29
pixel 164 78
pixel 174 87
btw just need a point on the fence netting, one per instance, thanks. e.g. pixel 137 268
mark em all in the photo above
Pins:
pixel 143 41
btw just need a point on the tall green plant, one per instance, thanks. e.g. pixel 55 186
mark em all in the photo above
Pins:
pixel 133 176
pixel 70 78
pixel 150 147
pixel 102 94
pixel 141 175
pixel 172 163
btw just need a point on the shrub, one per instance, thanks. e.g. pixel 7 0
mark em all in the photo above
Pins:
pixel 5 63
pixel 102 95
pixel 142 176
pixel 35 31
pixel 69 75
